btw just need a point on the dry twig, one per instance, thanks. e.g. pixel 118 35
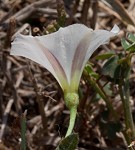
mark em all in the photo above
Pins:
pixel 5 118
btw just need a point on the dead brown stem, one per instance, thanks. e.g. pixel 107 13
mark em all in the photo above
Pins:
pixel 40 102
pixel 25 12
pixel 5 118
pixel 85 10
pixel 119 8
pixel 93 20
pixel 11 84
pixel 10 32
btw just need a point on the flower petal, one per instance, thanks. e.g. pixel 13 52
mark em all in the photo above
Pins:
pixel 90 42
pixel 30 47
pixel 79 59
pixel 63 44
pixel 65 52
pixel 100 37
pixel 115 29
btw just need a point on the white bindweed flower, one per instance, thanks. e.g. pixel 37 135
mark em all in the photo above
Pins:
pixel 64 53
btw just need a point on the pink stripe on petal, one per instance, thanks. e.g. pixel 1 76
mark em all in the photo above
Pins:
pixel 80 52
pixel 53 61
pixel 79 59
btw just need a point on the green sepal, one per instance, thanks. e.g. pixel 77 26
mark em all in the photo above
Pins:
pixel 71 100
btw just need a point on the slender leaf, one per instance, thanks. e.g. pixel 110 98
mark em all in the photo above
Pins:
pixel 105 56
pixel 91 72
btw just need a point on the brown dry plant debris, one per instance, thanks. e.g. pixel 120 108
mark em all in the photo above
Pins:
pixel 38 92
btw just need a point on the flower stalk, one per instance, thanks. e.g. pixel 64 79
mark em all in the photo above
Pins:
pixel 100 91
pixel 23 131
pixel 73 113
pixel 124 94
pixel 72 101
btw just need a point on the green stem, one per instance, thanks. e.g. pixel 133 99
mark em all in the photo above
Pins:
pixel 124 94
pixel 23 131
pixel 71 101
pixel 73 113
pixel 126 114
pixel 100 91
pixel 128 107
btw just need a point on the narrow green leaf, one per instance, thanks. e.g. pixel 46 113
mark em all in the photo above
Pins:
pixel 90 71
pixel 105 56
pixel 23 131
pixel 88 68
pixel 69 143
